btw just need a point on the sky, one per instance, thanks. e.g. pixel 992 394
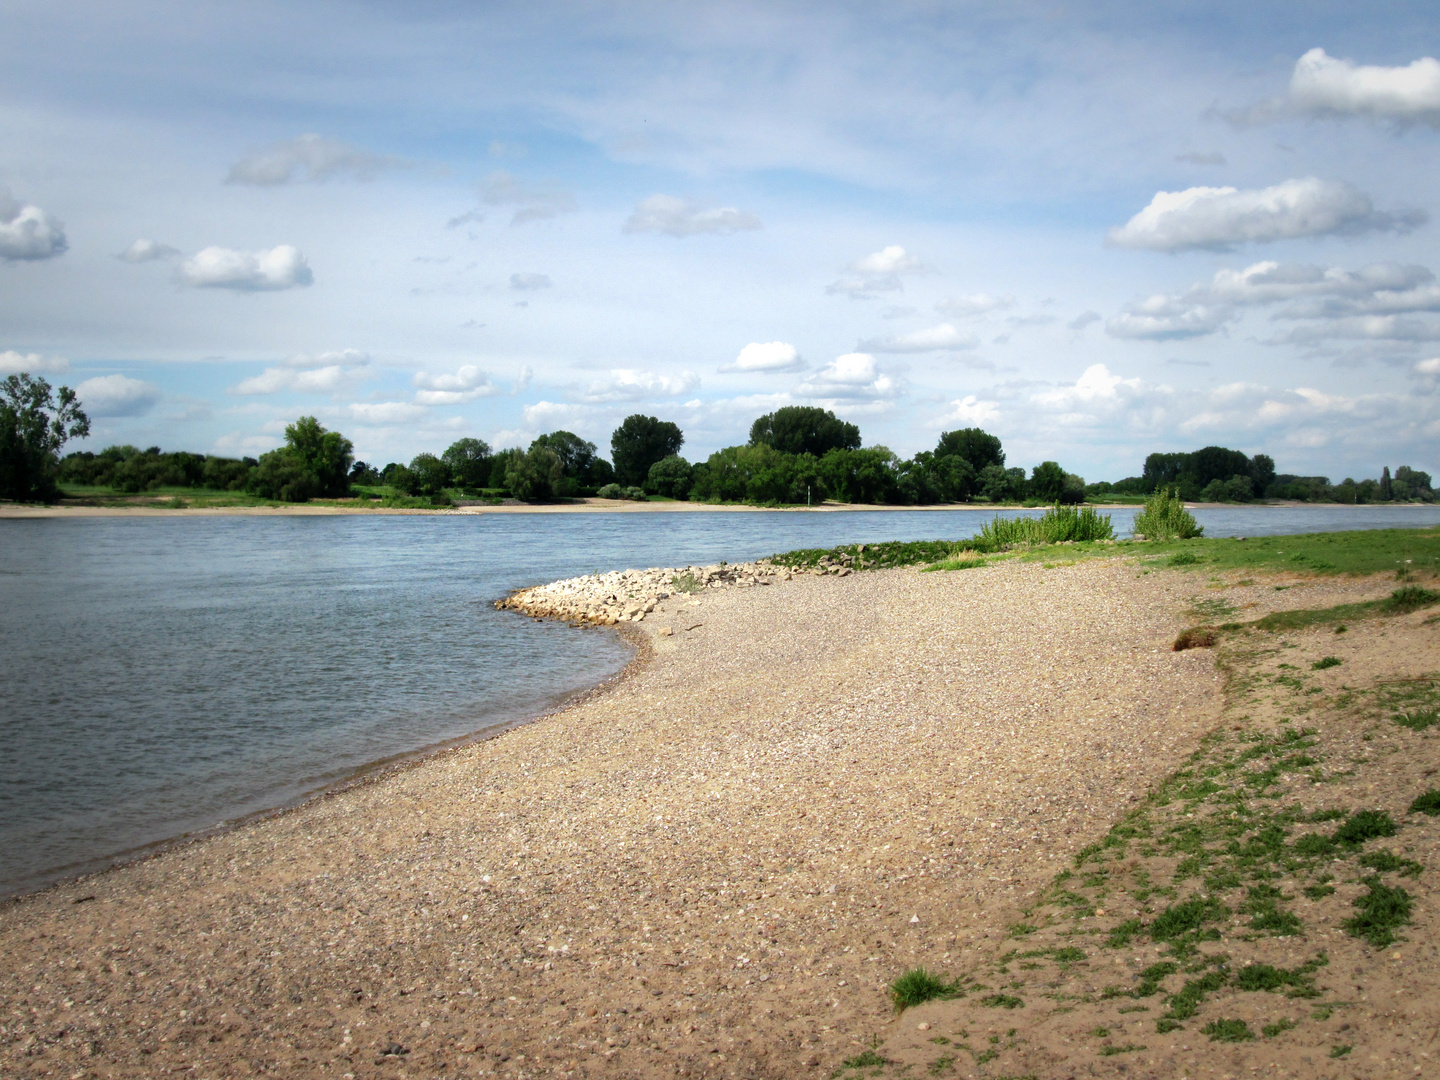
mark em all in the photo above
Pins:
pixel 1096 230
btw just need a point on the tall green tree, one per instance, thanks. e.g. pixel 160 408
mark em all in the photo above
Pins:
pixel 803 429
pixel 979 448
pixel 639 442
pixel 313 463
pixel 470 462
pixel 34 424
pixel 534 474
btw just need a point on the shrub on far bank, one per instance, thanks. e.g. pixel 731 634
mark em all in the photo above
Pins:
pixel 1165 518
pixel 615 491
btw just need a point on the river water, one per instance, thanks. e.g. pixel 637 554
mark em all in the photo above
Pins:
pixel 163 675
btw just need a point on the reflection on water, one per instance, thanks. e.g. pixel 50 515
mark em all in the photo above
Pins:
pixel 166 674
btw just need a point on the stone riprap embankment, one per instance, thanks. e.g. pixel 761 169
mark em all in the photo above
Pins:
pixel 630 595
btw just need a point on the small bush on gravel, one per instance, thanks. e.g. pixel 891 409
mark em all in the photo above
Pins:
pixel 1326 662
pixel 1411 598
pixel 1383 910
pixel 1419 720
pixel 918 986
pixel 1165 518
pixel 1365 825
pixel 1429 803
pixel 1228 1031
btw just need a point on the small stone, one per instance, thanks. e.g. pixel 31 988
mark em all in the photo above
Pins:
pixel 666 631
pixel 922 1027
pixel 914 918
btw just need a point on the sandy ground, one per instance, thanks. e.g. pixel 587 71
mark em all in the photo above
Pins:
pixel 712 868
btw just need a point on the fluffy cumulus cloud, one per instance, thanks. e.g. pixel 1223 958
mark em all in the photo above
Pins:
pixel 1428 367
pixel 766 356
pixel 1167 318
pixel 970 411
pixel 1376 302
pixel 27 233
pixel 633 384
pixel 117 396
pixel 532 201
pixel 681 217
pixel 880 271
pixel 282 267
pixel 974 304
pixel 382 413
pixel 143 251
pixel 1219 218
pixel 308 159
pixel 931 339
pixel 325 373
pixel 465 383
pixel 854 376
pixel 530 282
pixel 12 363
pixel 1323 85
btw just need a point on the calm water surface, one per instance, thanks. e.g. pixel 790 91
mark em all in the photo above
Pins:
pixel 163 675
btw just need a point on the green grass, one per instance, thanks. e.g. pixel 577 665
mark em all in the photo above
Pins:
pixel 1232 1031
pixel 1365 825
pixel 1326 662
pixel 1428 803
pixel 1386 861
pixel 1382 911
pixel 918 986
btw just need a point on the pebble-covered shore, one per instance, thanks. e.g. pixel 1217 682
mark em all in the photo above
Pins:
pixel 630 595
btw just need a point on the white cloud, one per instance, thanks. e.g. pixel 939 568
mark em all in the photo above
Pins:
pixel 12 363
pixel 326 373
pixel 27 233
pixel 348 357
pixel 465 383
pixel 1220 218
pixel 1348 303
pixel 766 356
pixel 532 202
pixel 142 251
pixel 1429 367
pixel 530 282
pixel 851 376
pixel 880 271
pixel 547 416
pixel 282 267
pixel 1096 384
pixel 632 384
pixel 117 395
pixel 970 411
pixel 1323 85
pixel 680 217
pixel 1167 318
pixel 974 304
pixel 931 339
pixel 1083 320
pixel 388 412
pixel 308 158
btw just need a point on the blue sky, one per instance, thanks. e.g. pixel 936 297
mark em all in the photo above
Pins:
pixel 1097 230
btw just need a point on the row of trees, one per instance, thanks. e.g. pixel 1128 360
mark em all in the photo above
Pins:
pixel 1216 474
pixel 795 454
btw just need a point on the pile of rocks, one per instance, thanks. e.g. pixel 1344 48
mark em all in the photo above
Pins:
pixel 630 595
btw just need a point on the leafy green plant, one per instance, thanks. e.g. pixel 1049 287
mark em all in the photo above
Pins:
pixel 1165 518
pixel 1326 662
pixel 1412 598
pixel 1340 1051
pixel 864 1060
pixel 1418 719
pixel 1228 1031
pixel 918 986
pixel 1279 1027
pixel 1365 825
pixel 1382 911
pixel 1386 861
pixel 1059 524
pixel 1428 803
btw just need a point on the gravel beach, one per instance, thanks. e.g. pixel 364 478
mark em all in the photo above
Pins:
pixel 711 867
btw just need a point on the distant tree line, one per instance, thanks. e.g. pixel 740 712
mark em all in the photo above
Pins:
pixel 795 454
pixel 1215 474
